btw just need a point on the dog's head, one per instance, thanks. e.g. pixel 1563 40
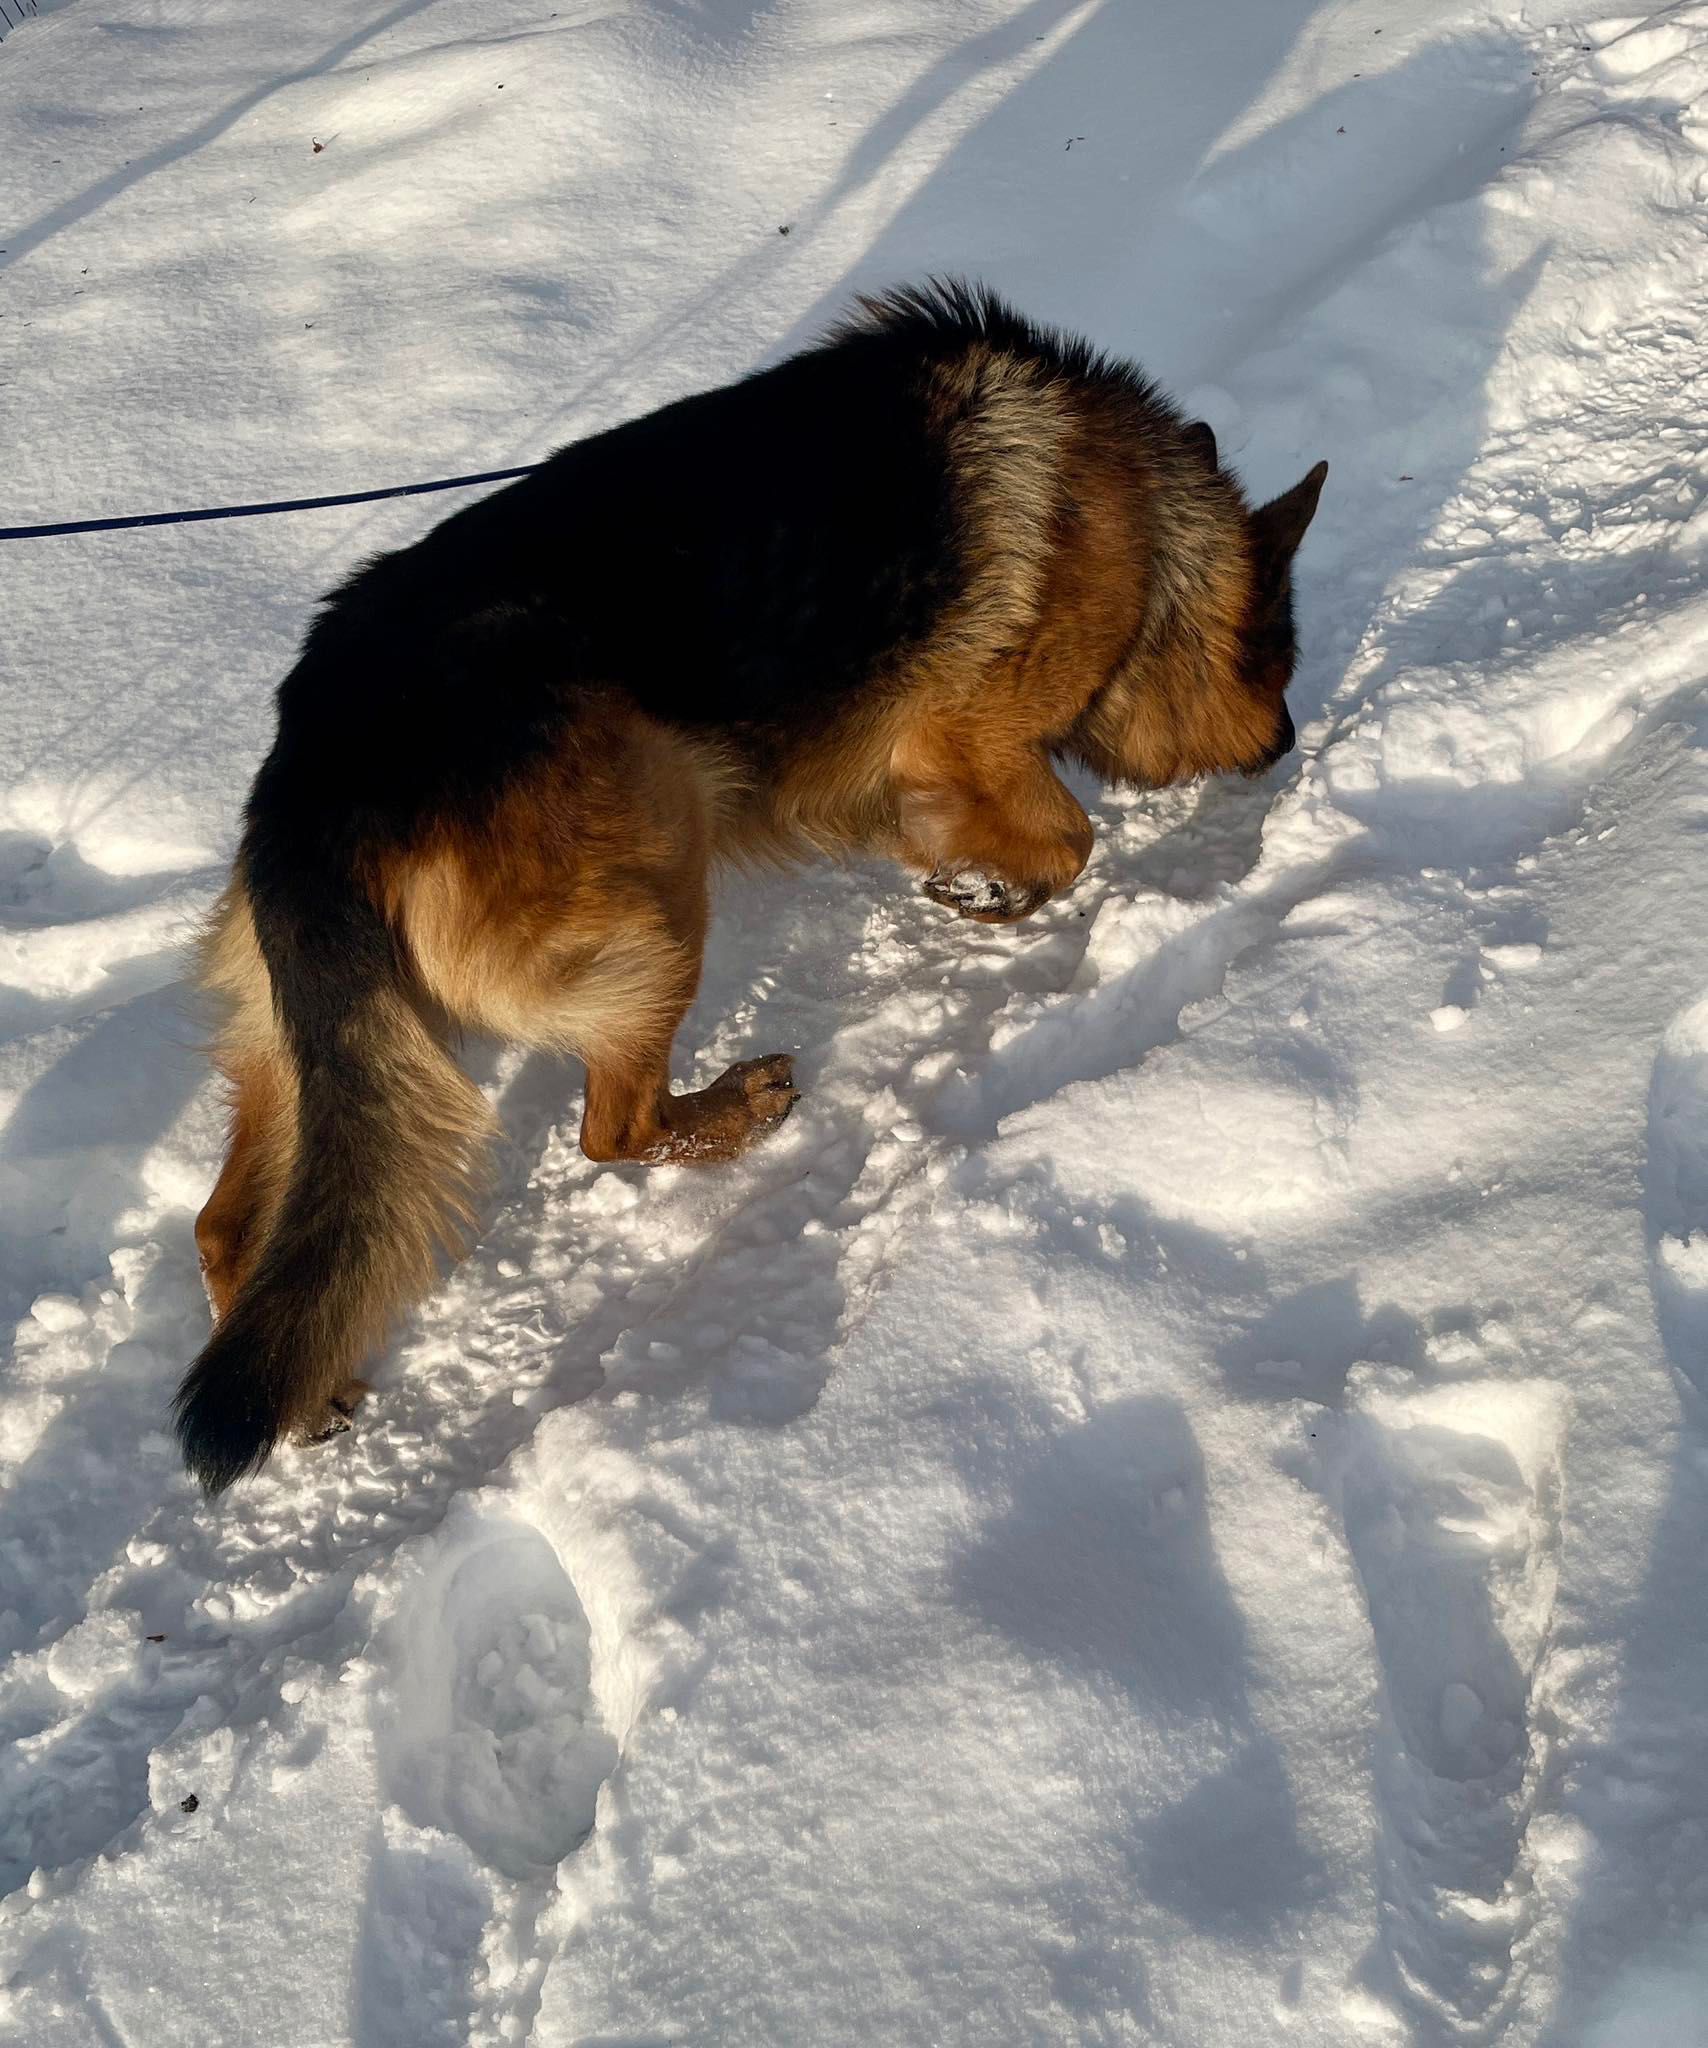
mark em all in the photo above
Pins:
pixel 1210 697
pixel 1268 647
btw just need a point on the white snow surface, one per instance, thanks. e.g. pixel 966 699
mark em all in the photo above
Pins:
pixel 1168 1505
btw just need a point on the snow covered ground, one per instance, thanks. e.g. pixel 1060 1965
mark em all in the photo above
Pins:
pixel 1168 1506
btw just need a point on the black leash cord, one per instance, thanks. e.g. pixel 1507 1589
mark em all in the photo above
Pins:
pixel 446 483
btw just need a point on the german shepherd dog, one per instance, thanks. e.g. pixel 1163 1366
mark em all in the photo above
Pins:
pixel 860 602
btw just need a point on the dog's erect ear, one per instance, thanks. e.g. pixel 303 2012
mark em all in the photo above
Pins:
pixel 1199 436
pixel 1280 525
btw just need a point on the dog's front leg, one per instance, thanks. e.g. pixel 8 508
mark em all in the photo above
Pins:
pixel 991 827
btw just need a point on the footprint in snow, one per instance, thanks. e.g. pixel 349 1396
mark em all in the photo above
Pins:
pixel 1449 1496
pixel 490 1732
pixel 1676 1191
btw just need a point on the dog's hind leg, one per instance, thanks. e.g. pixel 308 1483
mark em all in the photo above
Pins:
pixel 576 922
pixel 622 1011
pixel 237 1217
pixel 632 1115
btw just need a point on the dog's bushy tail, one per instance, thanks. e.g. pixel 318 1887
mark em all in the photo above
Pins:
pixel 389 1135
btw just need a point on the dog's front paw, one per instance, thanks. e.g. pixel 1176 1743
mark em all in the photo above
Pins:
pixel 985 897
